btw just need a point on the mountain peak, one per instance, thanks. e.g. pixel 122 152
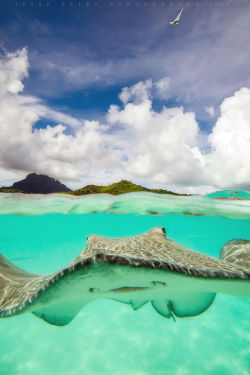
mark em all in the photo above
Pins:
pixel 39 184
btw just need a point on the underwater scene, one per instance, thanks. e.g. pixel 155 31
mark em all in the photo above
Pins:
pixel 42 234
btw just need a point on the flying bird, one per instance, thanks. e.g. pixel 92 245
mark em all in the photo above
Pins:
pixel 175 22
pixel 149 267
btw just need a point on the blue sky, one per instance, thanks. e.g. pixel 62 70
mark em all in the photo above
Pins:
pixel 81 57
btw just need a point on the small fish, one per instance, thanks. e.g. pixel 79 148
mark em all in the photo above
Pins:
pixel 20 258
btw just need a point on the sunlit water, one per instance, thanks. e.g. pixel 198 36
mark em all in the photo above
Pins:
pixel 107 337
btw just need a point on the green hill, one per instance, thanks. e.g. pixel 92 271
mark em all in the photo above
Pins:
pixel 118 188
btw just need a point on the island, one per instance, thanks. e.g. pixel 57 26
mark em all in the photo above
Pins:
pixel 42 184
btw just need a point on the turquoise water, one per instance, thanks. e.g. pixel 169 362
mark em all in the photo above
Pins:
pixel 230 194
pixel 107 337
pixel 133 203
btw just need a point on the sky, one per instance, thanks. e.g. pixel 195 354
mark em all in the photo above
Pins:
pixel 99 91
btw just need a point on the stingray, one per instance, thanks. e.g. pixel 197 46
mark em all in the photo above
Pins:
pixel 178 282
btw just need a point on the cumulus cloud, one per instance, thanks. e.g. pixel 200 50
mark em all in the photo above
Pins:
pixel 161 146
pixel 210 110
pixel 48 150
pixel 44 111
pixel 144 90
pixel 228 163
pixel 164 148
pixel 137 93
pixel 162 88
pixel 13 69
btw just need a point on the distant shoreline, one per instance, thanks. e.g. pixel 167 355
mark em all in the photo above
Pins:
pixel 121 187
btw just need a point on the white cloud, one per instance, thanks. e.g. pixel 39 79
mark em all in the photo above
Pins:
pixel 44 111
pixel 161 147
pixel 13 69
pixel 210 110
pixel 228 163
pixel 164 149
pixel 49 150
pixel 162 88
pixel 137 93
pixel 144 90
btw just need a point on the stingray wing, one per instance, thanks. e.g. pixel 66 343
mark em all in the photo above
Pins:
pixel 47 296
pixel 154 247
pixel 17 287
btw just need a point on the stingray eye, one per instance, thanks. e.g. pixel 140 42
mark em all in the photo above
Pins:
pixel 163 230
pixel 90 236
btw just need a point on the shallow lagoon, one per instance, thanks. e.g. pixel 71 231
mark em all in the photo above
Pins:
pixel 108 337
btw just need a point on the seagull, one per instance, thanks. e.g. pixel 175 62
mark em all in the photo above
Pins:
pixel 175 22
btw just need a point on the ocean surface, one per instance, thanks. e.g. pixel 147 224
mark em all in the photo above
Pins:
pixel 42 234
